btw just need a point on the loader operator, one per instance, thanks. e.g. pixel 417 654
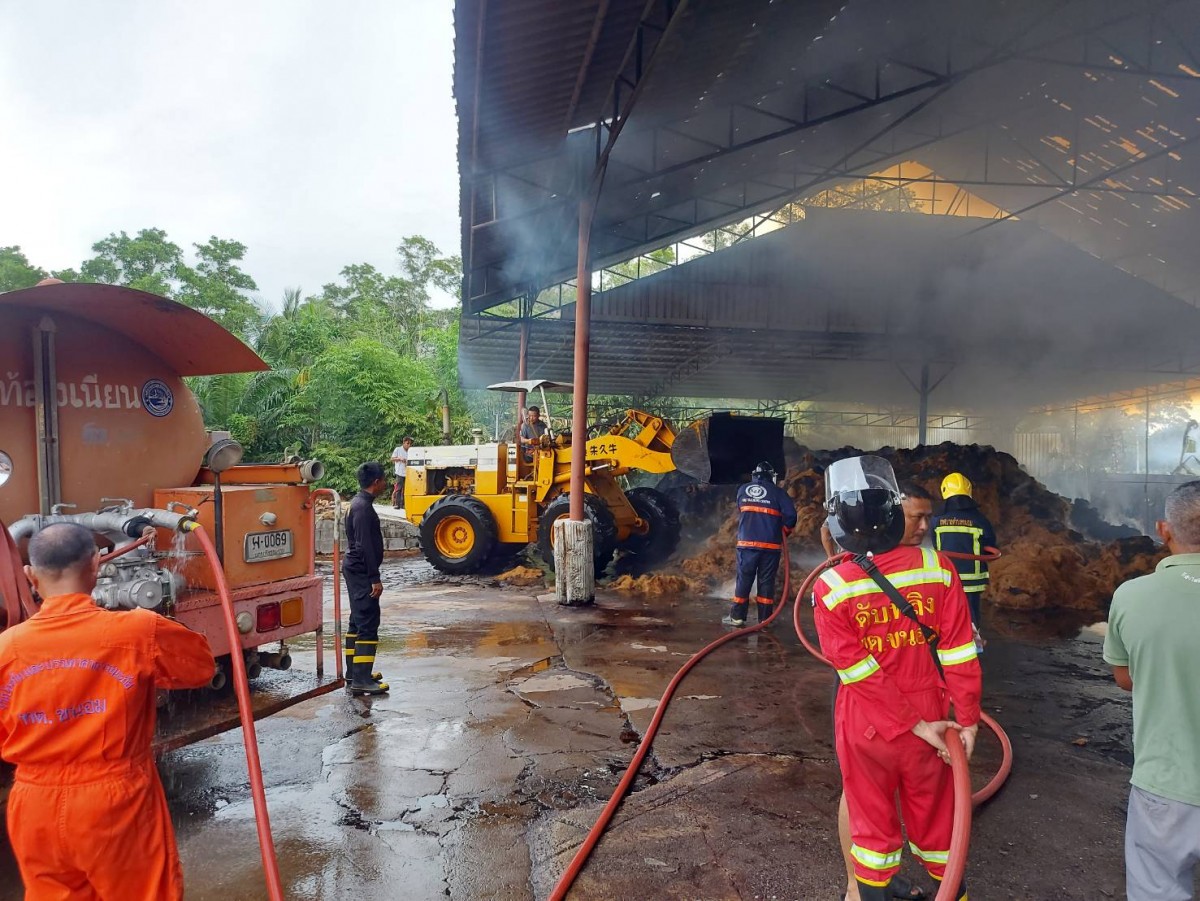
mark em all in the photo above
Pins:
pixel 532 430
pixel 765 515
pixel 87 817
pixel 360 569
pixel 883 617
pixel 963 529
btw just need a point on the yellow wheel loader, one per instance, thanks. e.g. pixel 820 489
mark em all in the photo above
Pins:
pixel 477 503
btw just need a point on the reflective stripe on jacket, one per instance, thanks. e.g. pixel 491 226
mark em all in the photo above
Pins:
pixel 764 511
pixel 880 654
pixel 962 529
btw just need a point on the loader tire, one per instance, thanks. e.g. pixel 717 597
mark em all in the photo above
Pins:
pixel 663 537
pixel 604 529
pixel 458 534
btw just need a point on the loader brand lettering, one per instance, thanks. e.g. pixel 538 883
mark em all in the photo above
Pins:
pixel 61 663
pixel 598 449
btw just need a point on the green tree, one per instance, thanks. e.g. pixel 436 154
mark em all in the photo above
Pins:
pixel 217 286
pixel 16 271
pixel 148 261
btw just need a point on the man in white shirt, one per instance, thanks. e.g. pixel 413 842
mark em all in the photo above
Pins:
pixel 400 458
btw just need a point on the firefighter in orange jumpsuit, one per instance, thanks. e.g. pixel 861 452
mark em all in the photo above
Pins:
pixel 892 716
pixel 87 816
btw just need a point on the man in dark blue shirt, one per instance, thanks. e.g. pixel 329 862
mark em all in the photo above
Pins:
pixel 765 515
pixel 360 569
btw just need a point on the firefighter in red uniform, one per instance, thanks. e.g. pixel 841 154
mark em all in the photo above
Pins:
pixel 892 716
pixel 765 515
pixel 87 817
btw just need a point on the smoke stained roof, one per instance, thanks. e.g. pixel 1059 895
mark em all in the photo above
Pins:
pixel 1080 117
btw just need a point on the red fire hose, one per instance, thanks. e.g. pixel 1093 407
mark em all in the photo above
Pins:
pixel 567 879
pixel 126 548
pixel 241 686
pixel 958 758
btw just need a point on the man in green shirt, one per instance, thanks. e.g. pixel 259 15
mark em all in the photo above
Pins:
pixel 1151 643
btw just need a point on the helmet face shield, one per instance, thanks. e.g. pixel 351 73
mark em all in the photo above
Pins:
pixel 863 500
pixel 859 474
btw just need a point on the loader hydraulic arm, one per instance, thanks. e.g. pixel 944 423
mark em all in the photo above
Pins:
pixel 655 433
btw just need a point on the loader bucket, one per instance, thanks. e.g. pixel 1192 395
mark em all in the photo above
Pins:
pixel 724 448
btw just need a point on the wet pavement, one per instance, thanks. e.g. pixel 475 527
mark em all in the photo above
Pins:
pixel 510 721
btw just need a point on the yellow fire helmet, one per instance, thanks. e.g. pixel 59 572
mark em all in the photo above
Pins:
pixel 956 483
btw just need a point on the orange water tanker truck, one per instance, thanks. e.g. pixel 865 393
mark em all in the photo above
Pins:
pixel 98 427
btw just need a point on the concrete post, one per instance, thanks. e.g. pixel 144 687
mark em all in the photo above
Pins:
pixel 574 568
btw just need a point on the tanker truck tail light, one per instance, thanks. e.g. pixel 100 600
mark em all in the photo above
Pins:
pixel 268 617
pixel 291 612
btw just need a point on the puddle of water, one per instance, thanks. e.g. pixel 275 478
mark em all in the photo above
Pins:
pixel 656 648
pixel 629 705
pixel 560 682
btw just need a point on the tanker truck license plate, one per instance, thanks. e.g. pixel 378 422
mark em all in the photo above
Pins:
pixel 268 546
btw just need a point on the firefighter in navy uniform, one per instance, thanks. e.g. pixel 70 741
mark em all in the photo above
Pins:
pixel 765 515
pixel 360 570
pixel 963 529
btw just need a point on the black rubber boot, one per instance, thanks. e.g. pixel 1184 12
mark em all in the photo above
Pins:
pixel 874 892
pixel 361 674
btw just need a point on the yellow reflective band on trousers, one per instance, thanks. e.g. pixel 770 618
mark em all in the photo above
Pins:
pixel 964 653
pixel 840 590
pixel 942 857
pixel 859 671
pixel 875 860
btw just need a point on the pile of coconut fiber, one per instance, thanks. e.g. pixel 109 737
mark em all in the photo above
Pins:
pixel 1057 553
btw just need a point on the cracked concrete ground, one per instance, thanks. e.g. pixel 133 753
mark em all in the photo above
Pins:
pixel 510 721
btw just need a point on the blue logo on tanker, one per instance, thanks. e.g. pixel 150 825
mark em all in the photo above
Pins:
pixel 157 397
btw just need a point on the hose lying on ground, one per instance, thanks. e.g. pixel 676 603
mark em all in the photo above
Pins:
pixel 567 879
pixel 962 778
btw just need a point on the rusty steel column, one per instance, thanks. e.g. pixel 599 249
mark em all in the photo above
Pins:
pixel 923 414
pixel 522 372
pixel 583 321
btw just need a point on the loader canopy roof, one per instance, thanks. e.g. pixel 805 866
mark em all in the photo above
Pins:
pixel 528 385
pixel 1078 119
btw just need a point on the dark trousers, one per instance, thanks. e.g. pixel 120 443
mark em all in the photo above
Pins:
pixel 398 492
pixel 364 609
pixel 754 565
pixel 973 602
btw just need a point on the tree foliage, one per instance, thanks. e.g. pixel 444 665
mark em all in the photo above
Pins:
pixel 16 270
pixel 354 367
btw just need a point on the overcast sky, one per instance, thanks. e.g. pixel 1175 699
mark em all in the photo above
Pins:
pixel 317 133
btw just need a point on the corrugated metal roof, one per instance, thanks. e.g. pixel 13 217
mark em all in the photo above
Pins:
pixel 1081 116
pixel 840 305
pixel 811 91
